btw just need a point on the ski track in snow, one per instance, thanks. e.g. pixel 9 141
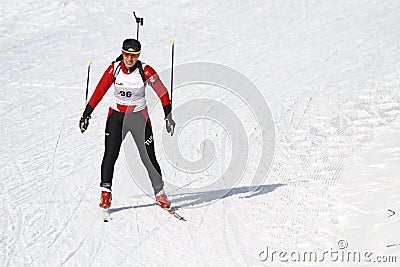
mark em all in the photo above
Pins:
pixel 329 72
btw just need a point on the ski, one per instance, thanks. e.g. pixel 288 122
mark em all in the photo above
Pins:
pixel 175 214
pixel 106 214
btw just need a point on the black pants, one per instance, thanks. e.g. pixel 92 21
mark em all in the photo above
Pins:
pixel 118 125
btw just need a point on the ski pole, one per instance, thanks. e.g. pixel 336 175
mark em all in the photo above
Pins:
pixel 139 21
pixel 87 81
pixel 172 69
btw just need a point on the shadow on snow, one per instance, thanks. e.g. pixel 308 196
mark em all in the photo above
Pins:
pixel 203 198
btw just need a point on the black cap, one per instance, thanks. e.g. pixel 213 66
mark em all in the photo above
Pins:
pixel 131 46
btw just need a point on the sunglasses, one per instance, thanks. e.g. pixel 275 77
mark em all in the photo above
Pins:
pixel 128 55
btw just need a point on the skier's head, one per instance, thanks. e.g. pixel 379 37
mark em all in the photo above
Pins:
pixel 130 51
pixel 131 46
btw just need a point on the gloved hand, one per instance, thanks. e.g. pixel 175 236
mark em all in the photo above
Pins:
pixel 84 123
pixel 170 124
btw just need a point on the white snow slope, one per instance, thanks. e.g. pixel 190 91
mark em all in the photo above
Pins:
pixel 329 71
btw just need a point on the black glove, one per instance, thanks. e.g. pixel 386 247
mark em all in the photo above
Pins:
pixel 170 124
pixel 84 123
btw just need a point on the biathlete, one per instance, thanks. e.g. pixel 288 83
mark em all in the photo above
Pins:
pixel 129 78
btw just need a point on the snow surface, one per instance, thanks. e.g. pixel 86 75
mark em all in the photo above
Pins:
pixel 329 71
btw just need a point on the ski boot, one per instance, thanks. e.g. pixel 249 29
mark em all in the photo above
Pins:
pixel 163 201
pixel 105 200
pixel 105 204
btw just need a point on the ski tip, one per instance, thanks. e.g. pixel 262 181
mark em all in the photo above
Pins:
pixel 106 214
pixel 172 41
pixel 90 62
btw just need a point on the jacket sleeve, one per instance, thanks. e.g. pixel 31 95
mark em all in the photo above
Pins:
pixel 104 84
pixel 154 81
